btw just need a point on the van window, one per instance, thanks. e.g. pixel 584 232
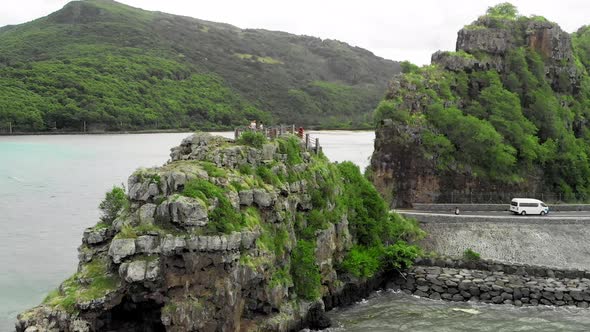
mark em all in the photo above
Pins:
pixel 529 204
pixel 514 203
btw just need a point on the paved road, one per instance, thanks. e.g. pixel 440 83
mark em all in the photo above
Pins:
pixel 501 214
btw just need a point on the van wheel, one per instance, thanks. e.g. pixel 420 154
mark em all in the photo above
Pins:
pixel 523 213
pixel 542 213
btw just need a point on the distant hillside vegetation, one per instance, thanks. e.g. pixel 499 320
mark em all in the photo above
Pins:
pixel 118 67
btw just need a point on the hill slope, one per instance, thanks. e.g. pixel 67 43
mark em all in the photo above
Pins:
pixel 118 67
pixel 505 114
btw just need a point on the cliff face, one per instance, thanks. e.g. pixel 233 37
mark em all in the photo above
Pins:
pixel 495 116
pixel 225 237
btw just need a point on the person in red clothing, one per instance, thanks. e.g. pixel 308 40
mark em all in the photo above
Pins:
pixel 300 132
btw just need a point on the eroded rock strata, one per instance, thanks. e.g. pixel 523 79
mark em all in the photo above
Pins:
pixel 223 237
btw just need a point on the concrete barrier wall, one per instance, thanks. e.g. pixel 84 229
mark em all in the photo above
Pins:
pixel 493 207
pixel 560 244
pixel 508 218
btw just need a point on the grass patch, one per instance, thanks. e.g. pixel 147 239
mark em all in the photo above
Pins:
pixel 273 239
pixel 224 218
pixel 252 138
pixel 251 217
pixel 72 291
pixel 127 232
pixel 471 255
pixel 291 146
pixel 212 170
pixel 101 225
pixel 246 169
pixel 268 176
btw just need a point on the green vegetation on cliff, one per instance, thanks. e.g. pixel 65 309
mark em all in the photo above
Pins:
pixel 509 114
pixel 116 68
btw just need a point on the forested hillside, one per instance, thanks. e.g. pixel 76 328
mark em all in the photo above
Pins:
pixel 117 67
pixel 506 113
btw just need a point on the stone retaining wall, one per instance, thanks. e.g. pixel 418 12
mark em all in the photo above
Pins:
pixel 508 218
pixel 493 207
pixel 555 243
pixel 457 284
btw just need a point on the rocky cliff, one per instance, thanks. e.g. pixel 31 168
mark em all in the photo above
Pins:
pixel 505 113
pixel 251 235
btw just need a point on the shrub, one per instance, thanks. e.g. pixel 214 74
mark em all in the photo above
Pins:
pixel 252 138
pixel 362 262
pixel 471 255
pixel 114 201
pixel 213 170
pixel 367 211
pixel 400 255
pixel 406 229
pixel 305 273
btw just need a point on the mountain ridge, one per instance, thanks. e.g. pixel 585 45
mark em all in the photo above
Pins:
pixel 272 76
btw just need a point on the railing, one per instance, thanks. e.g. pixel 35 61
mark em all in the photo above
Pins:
pixel 312 143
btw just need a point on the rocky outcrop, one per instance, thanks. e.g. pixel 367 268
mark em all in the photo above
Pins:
pixel 406 170
pixel 205 243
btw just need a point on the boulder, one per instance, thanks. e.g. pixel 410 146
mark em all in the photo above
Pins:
pixel 246 197
pixel 184 211
pixel 121 248
pixel 146 213
pixel 262 198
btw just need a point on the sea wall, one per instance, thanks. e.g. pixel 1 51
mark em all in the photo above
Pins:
pixel 497 283
pixel 551 242
pixel 493 207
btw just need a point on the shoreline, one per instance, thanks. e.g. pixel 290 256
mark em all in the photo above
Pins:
pixel 148 131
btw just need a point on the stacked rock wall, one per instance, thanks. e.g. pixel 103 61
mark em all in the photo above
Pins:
pixel 493 282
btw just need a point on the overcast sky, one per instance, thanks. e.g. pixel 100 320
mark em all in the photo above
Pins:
pixel 398 30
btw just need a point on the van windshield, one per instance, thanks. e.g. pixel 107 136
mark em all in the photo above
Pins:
pixel 514 203
pixel 543 205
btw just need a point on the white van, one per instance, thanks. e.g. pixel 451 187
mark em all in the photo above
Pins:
pixel 524 206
